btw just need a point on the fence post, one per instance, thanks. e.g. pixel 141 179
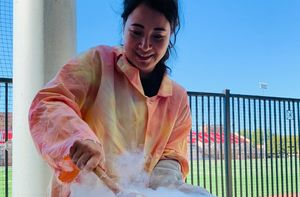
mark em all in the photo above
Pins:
pixel 228 169
pixel 6 139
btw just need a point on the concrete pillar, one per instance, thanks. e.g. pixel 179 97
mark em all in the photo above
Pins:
pixel 43 40
pixel 59 35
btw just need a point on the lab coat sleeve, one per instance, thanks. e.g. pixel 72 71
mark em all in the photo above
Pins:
pixel 56 115
pixel 176 147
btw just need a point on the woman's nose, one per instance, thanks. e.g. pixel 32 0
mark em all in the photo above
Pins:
pixel 145 44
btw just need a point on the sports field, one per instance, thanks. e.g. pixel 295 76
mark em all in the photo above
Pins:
pixel 267 180
pixel 2 181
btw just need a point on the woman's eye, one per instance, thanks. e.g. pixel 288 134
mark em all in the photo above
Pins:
pixel 136 33
pixel 158 37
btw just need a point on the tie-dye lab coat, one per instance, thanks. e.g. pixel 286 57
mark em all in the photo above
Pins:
pixel 99 96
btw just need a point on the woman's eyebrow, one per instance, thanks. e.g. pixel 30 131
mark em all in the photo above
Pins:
pixel 137 25
pixel 141 26
pixel 159 29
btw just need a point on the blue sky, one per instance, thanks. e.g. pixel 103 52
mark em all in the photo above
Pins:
pixel 222 44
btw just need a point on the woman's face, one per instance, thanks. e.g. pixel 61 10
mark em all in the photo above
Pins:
pixel 146 38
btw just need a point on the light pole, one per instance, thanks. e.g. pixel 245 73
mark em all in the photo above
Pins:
pixel 264 87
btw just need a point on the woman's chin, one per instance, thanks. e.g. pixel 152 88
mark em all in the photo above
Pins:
pixel 144 70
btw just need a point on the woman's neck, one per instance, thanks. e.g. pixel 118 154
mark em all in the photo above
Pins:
pixel 152 81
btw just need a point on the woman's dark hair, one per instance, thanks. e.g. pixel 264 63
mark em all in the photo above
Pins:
pixel 169 8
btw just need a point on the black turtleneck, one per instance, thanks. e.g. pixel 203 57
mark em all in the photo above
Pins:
pixel 151 83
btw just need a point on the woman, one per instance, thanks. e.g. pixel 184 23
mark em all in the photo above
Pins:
pixel 116 99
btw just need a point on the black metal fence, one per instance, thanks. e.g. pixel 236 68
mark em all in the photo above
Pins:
pixel 244 145
pixel 5 136
pixel 240 145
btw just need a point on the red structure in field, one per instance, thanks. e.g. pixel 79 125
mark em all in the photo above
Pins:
pixel 209 142
pixel 216 137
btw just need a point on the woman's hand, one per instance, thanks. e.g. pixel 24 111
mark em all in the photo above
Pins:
pixel 87 154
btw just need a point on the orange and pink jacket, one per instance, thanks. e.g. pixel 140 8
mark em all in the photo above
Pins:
pixel 99 96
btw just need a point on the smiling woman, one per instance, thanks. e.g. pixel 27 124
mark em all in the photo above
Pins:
pixel 146 39
pixel 112 100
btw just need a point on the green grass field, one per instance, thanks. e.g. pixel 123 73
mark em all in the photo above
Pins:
pixel 2 181
pixel 214 182
pixel 241 182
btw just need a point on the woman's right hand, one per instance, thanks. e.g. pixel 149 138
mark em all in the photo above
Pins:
pixel 87 154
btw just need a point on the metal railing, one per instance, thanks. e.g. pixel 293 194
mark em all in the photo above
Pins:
pixel 244 145
pixel 5 136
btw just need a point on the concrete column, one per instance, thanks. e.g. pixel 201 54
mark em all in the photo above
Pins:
pixel 43 39
pixel 59 35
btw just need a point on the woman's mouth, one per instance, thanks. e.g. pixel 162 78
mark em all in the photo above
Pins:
pixel 144 57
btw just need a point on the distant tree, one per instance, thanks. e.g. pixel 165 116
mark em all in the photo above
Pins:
pixel 257 136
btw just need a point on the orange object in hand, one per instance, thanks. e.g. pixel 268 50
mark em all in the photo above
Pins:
pixel 69 176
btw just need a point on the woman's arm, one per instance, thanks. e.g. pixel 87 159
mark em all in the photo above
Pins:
pixel 56 116
pixel 176 148
pixel 172 168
